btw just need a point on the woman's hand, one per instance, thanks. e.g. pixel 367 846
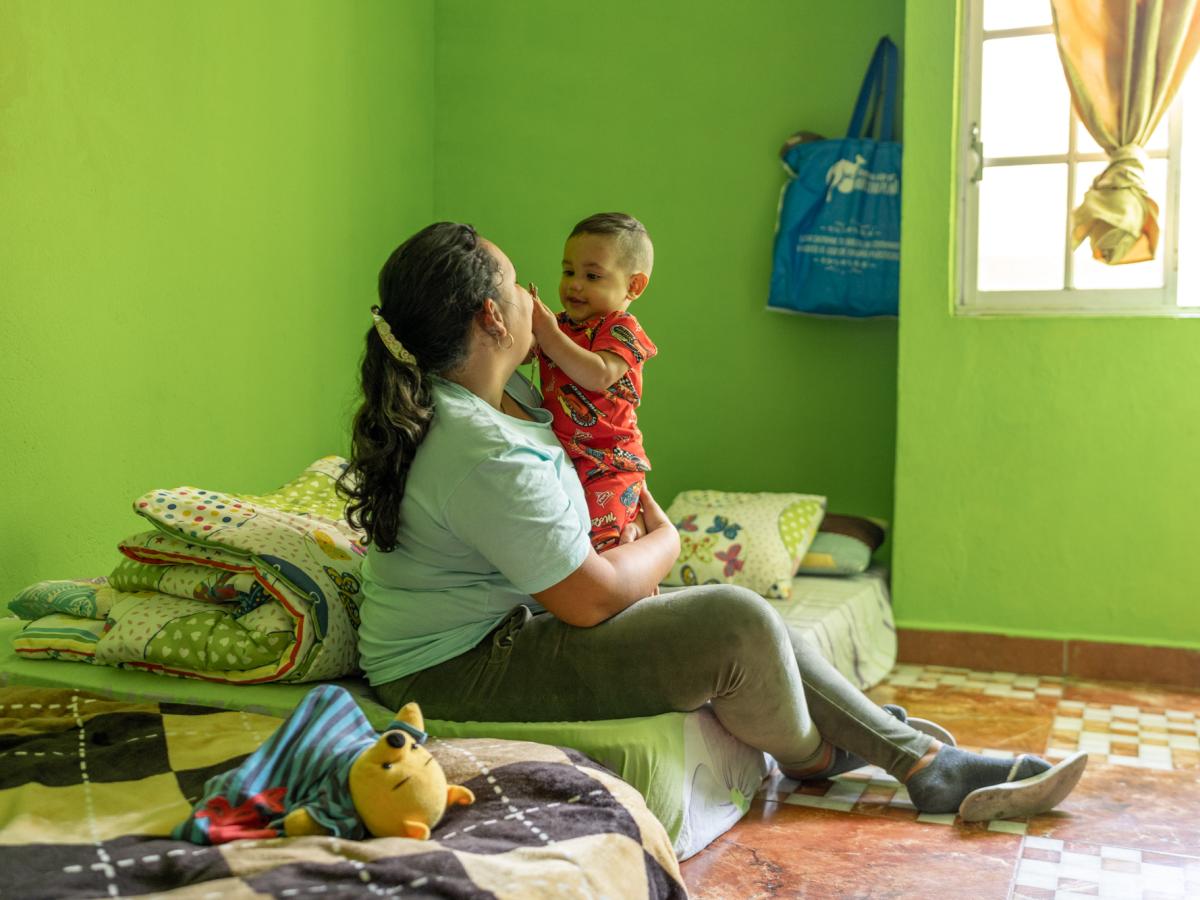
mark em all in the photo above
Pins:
pixel 631 533
pixel 649 518
pixel 609 582
pixel 653 514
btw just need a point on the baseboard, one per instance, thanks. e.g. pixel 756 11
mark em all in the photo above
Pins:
pixel 1044 656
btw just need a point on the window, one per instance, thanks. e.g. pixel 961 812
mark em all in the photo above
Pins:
pixel 1026 161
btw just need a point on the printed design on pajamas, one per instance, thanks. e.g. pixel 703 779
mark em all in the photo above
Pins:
pixel 630 340
pixel 613 502
pixel 577 407
pixel 598 429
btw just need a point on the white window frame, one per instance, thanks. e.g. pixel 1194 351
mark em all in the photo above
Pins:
pixel 973 163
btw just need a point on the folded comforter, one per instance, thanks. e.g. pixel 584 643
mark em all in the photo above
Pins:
pixel 226 587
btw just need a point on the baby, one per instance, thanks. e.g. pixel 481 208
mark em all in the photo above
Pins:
pixel 590 358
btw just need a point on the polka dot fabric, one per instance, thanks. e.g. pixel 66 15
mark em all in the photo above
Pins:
pixel 241 587
pixel 798 525
pixel 312 494
pixel 748 539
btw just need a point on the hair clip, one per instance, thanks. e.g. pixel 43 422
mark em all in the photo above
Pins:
pixel 389 340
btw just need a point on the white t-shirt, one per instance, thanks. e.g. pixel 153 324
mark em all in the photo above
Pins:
pixel 492 512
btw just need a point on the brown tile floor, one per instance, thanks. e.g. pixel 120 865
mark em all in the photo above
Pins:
pixel 1130 830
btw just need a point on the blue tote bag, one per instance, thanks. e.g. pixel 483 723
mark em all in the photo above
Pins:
pixel 837 242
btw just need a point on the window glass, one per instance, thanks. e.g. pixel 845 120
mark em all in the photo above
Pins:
pixel 1025 102
pixel 1001 14
pixel 1017 216
pixel 1022 233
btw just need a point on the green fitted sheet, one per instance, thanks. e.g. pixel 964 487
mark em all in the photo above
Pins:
pixel 273 699
pixel 697 778
pixel 648 753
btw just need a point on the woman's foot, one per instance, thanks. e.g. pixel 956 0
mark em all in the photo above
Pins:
pixel 980 787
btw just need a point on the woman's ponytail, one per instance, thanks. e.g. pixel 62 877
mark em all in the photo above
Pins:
pixel 429 290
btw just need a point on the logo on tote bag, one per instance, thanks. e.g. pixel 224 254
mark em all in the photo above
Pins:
pixel 845 176
pixel 837 238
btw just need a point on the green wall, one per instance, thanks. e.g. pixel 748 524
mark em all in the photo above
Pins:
pixel 674 111
pixel 196 198
pixel 1045 476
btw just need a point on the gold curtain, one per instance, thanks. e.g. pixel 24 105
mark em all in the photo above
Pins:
pixel 1124 61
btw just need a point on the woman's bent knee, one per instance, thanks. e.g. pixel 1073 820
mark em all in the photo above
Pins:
pixel 740 616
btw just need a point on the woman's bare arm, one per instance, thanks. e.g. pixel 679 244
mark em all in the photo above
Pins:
pixel 609 582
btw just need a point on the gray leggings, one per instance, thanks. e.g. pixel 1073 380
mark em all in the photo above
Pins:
pixel 675 652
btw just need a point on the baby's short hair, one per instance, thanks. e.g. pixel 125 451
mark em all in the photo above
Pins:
pixel 635 250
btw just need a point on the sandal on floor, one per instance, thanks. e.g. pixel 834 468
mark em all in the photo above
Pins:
pixel 933 729
pixel 1026 797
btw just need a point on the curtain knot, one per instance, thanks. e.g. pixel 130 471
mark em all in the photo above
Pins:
pixel 1117 213
pixel 1130 153
pixel 1126 170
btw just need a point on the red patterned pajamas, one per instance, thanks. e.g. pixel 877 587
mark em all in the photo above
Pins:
pixel 599 429
pixel 613 502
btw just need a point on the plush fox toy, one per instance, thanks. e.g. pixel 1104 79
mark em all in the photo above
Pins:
pixel 326 771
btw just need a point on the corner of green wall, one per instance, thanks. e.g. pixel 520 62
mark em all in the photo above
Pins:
pixel 197 198
pixel 1045 482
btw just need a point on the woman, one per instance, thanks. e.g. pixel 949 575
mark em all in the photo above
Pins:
pixel 483 597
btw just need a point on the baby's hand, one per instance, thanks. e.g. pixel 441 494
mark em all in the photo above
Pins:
pixel 544 321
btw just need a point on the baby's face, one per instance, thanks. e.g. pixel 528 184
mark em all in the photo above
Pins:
pixel 593 280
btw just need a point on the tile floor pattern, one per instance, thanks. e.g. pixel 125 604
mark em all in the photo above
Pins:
pixel 991 684
pixel 1050 869
pixel 1127 735
pixel 1131 829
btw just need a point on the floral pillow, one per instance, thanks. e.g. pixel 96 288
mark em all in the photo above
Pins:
pixel 752 540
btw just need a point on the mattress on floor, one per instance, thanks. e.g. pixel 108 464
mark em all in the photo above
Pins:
pixel 696 777
pixel 69 780
pixel 849 619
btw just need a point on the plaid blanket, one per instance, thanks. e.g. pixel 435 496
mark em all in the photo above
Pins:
pixel 90 789
pixel 226 587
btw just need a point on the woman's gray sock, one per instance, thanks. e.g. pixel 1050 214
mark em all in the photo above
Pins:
pixel 952 774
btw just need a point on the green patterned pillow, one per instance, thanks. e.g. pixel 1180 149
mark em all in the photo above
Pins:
pixel 843 546
pixel 752 540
